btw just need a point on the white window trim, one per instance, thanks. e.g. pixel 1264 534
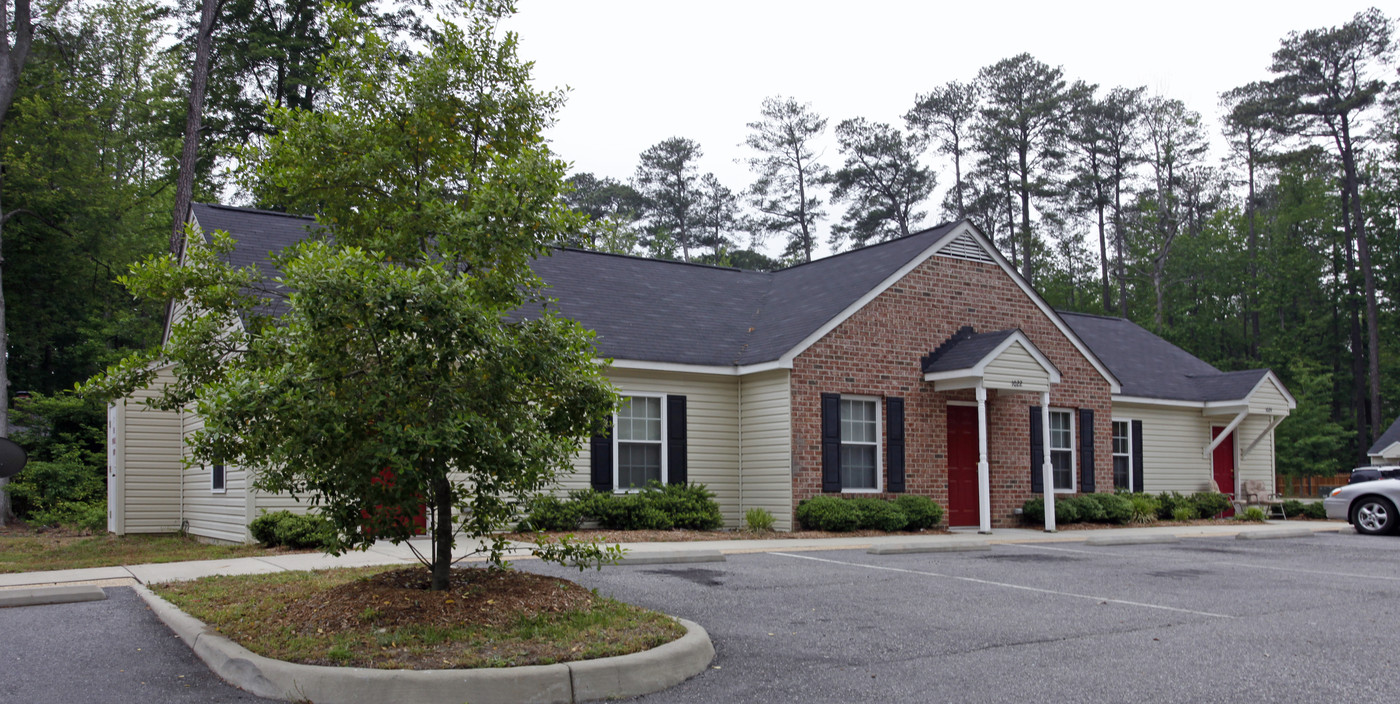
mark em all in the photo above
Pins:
pixel 1073 452
pixel 879 446
pixel 1111 454
pixel 218 489
pixel 617 457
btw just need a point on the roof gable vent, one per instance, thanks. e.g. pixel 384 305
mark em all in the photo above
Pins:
pixel 965 246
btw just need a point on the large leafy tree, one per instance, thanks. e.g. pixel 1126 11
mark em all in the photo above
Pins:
pixel 785 193
pixel 401 373
pixel 881 180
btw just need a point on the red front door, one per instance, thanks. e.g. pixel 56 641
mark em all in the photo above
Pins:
pixel 962 466
pixel 1223 462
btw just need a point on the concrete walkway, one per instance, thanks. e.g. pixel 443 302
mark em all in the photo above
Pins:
pixel 652 553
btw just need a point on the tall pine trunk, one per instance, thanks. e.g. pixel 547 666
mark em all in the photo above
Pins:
pixel 189 152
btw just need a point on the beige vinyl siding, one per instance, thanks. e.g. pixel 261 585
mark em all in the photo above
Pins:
pixel 766 445
pixel 1017 364
pixel 143 464
pixel 1268 400
pixel 216 516
pixel 1173 440
pixel 712 431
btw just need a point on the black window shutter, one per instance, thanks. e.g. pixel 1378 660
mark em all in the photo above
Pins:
pixel 894 443
pixel 831 442
pixel 1137 456
pixel 1086 450
pixel 675 440
pixel 1037 452
pixel 601 459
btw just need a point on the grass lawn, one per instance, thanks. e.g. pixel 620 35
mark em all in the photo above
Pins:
pixel 25 550
pixel 385 617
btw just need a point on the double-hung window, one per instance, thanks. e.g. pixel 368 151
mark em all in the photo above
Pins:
pixel 640 435
pixel 860 444
pixel 1062 449
pixel 1123 456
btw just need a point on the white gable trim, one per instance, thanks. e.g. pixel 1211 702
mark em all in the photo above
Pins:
pixel 963 228
pixel 1269 377
pixel 979 370
pixel 1388 453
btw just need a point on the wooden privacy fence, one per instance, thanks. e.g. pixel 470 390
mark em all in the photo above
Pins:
pixel 1310 486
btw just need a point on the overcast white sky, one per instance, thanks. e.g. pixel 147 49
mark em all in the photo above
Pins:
pixel 643 71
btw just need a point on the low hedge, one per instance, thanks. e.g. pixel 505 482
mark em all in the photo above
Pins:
pixel 841 515
pixel 298 531
pixel 1127 507
pixel 656 507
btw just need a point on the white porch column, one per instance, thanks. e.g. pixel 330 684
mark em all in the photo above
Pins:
pixel 984 475
pixel 1047 476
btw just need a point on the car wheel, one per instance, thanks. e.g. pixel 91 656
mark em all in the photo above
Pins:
pixel 1374 515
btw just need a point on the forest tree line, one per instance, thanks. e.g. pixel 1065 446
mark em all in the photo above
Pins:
pixel 1284 254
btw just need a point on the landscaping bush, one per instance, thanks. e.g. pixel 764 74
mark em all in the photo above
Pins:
pixel 1066 511
pixel 630 512
pixel 1116 509
pixel 758 520
pixel 551 513
pixel 1315 510
pixel 77 515
pixel 1168 503
pixel 293 530
pixel 1184 512
pixel 1144 508
pixel 1087 509
pixel 1210 503
pixel 828 513
pixel 878 514
pixel 657 507
pixel 923 512
pixel 1293 508
pixel 688 506
pixel 1033 511
pixel 1253 514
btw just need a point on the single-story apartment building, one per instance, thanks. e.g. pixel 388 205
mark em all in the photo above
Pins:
pixel 922 365
pixel 1386 449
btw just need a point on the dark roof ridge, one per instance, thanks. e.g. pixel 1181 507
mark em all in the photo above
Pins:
pixel 1092 315
pixel 869 246
pixel 259 211
pixel 638 257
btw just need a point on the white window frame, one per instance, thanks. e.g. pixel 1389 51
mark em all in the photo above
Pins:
pixel 1114 454
pixel 1073 451
pixel 223 470
pixel 879 446
pixel 617 456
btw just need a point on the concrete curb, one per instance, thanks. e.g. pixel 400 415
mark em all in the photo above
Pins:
pixel 606 678
pixel 1269 534
pixel 38 596
pixel 912 548
pixel 665 557
pixel 1130 539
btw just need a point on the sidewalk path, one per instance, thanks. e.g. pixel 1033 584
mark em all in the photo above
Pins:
pixel 388 554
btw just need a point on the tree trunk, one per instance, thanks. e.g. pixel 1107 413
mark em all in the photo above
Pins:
pixel 1368 279
pixel 1027 269
pixel 442 534
pixel 184 184
pixel 6 509
pixel 1103 259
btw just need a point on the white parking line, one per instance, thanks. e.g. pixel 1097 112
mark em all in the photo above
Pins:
pixel 1159 557
pixel 1021 587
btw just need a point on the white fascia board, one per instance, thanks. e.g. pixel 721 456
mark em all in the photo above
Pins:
pixel 1146 401
pixel 1224 408
pixel 1391 452
pixel 719 370
pixel 1269 377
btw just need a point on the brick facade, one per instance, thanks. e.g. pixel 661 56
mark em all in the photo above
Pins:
pixel 876 352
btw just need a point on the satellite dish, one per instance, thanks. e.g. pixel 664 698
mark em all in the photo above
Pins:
pixel 12 458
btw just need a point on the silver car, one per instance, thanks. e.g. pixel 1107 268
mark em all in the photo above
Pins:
pixel 1369 506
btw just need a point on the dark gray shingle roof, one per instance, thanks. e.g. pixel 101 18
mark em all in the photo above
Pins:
pixel 1388 438
pixel 1150 367
pixel 964 350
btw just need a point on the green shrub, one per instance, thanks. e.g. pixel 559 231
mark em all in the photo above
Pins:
pixel 630 512
pixel 1168 503
pixel 1315 510
pixel 758 520
pixel 1066 511
pixel 1144 508
pixel 878 514
pixel 78 515
pixel 828 513
pixel 1210 503
pixel 1087 509
pixel 293 530
pixel 687 506
pixel 549 512
pixel 1253 514
pixel 1033 511
pixel 1292 508
pixel 1116 509
pixel 923 512
pixel 1184 512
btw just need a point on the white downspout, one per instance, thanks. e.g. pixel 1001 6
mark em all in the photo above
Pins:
pixel 984 477
pixel 740 416
pixel 1047 472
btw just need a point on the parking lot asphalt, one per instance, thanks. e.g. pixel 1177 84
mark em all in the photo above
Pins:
pixel 1311 619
